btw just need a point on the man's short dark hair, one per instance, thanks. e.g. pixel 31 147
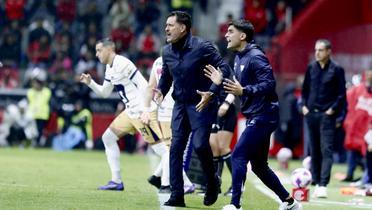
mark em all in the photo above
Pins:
pixel 244 26
pixel 326 43
pixel 107 42
pixel 183 18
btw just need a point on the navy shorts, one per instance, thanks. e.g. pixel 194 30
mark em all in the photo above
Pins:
pixel 227 122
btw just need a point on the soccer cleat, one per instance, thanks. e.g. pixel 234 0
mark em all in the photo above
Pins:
pixel 155 181
pixel 188 189
pixel 294 206
pixel 231 207
pixel 112 186
pixel 212 192
pixel 164 190
pixel 176 202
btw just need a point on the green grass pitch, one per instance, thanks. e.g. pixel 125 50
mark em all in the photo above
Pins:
pixel 32 179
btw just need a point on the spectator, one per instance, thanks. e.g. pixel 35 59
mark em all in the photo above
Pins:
pixel 123 37
pixel 120 11
pixel 39 97
pixel 255 12
pixel 66 10
pixel 10 51
pixel 147 13
pixel 15 10
pixel 356 124
pixel 148 44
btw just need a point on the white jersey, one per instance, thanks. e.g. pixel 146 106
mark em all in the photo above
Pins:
pixel 128 82
pixel 166 107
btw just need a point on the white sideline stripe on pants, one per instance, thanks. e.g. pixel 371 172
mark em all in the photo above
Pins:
pixel 259 186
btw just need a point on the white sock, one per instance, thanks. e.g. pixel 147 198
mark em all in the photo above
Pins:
pixel 159 169
pixel 109 139
pixel 165 174
pixel 161 150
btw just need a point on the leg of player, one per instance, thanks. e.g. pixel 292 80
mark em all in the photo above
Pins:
pixel 109 139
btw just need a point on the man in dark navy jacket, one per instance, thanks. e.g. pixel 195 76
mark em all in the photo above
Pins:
pixel 255 84
pixel 195 105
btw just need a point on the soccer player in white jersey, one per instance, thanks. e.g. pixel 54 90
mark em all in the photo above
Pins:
pixel 161 174
pixel 123 75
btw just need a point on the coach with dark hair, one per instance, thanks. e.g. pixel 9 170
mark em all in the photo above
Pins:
pixel 184 58
pixel 254 83
pixel 323 98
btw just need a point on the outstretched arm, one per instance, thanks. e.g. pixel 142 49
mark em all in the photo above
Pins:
pixel 103 90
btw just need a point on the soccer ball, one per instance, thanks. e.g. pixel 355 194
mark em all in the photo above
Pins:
pixel 301 177
pixel 284 155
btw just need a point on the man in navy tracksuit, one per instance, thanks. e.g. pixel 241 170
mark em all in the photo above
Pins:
pixel 255 84
pixel 195 105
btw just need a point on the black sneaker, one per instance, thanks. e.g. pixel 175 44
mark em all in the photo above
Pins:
pixel 155 181
pixel 164 190
pixel 176 202
pixel 212 192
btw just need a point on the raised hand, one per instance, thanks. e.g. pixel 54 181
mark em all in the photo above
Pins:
pixel 85 78
pixel 233 87
pixel 213 74
pixel 205 98
pixel 158 96
pixel 145 117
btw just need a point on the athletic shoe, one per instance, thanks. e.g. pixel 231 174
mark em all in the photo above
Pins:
pixel 164 190
pixel 176 202
pixel 188 189
pixel 112 186
pixel 155 181
pixel 212 192
pixel 294 206
pixel 231 207
pixel 321 192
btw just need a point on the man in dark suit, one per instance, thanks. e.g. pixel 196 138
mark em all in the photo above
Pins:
pixel 184 58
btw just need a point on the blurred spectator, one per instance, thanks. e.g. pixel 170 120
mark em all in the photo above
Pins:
pixel 23 127
pixel 289 132
pixel 280 16
pixel 91 15
pixel 74 125
pixel 39 97
pixel 15 10
pixel 120 11
pixel 148 44
pixel 66 10
pixel 9 78
pixel 123 37
pixel 63 44
pixel 86 63
pixel 42 9
pixel 89 45
pixel 39 44
pixel 357 120
pixel 147 13
pixel 62 63
pixel 10 51
pixel 255 12
pixel 181 5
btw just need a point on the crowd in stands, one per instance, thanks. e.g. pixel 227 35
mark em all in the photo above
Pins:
pixel 59 37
